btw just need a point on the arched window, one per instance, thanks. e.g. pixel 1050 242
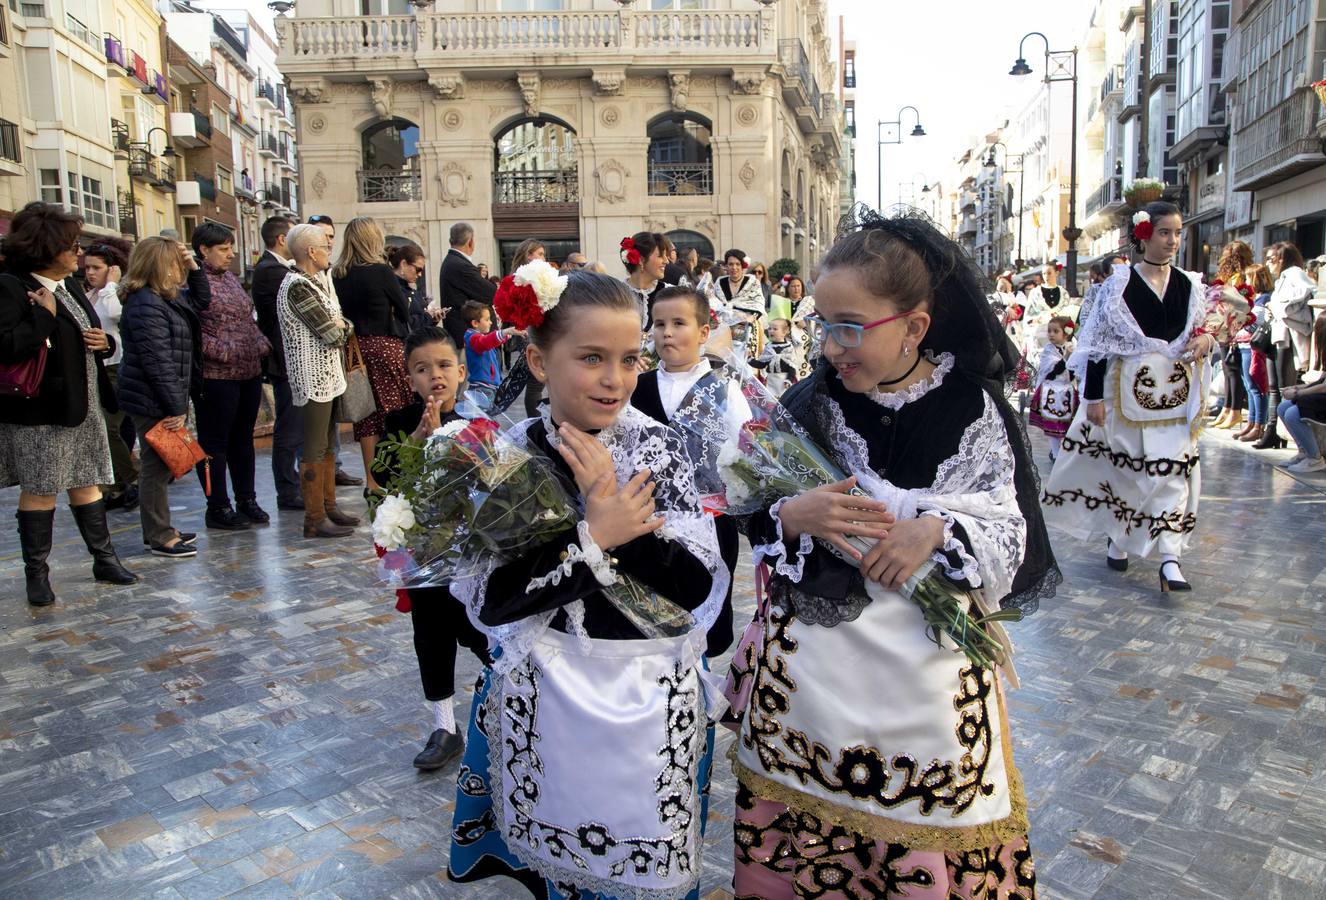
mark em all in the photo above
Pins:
pixel 681 157
pixel 535 161
pixel 691 240
pixel 390 170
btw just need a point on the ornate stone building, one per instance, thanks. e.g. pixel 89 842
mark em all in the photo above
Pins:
pixel 720 126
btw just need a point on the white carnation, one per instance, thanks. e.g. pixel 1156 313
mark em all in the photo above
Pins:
pixel 543 278
pixel 728 454
pixel 451 429
pixel 394 517
pixel 737 492
pixel 1140 217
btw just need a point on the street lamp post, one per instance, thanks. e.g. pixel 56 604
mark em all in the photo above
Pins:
pixel 918 131
pixel 1022 181
pixel 145 146
pixel 1061 65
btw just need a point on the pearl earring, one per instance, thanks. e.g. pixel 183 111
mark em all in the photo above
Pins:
pixel 906 350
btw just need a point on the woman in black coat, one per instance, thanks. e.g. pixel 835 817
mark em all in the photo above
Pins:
pixel 161 369
pixel 55 440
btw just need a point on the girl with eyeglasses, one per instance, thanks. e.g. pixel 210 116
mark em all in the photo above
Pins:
pixel 866 749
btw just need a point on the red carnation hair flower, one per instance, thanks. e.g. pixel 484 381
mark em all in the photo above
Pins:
pixel 517 304
pixel 628 243
pixel 1142 231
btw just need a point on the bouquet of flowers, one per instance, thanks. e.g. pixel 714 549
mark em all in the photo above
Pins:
pixel 770 456
pixel 468 496
pixel 1228 309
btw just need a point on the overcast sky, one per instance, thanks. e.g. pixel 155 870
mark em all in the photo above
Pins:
pixel 949 59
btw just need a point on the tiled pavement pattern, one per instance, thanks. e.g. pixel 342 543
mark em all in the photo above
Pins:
pixel 243 723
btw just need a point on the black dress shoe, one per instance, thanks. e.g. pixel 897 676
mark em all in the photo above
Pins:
pixel 179 550
pixel 345 479
pixel 188 537
pixel 1168 584
pixel 225 519
pixel 442 748
pixel 250 510
pixel 296 504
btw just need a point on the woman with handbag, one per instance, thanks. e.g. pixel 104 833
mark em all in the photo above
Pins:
pixel 373 303
pixel 53 386
pixel 233 351
pixel 313 331
pixel 1291 329
pixel 163 293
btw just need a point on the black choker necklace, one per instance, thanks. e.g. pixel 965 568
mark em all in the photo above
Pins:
pixel 905 376
pixel 1156 264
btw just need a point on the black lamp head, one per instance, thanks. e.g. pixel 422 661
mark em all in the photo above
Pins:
pixel 918 131
pixel 989 159
pixel 1020 67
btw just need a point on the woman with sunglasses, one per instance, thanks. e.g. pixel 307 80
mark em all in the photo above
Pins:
pixel 407 261
pixel 872 757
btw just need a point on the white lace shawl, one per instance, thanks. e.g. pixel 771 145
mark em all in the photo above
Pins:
pixel 1051 356
pixel 636 442
pixel 1109 329
pixel 749 295
pixel 973 488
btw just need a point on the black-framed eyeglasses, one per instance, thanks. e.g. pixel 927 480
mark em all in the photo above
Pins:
pixel 320 220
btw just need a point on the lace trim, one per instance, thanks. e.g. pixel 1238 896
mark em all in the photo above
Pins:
pixel 591 555
pixel 970 570
pixel 914 837
pixel 899 399
pixel 777 551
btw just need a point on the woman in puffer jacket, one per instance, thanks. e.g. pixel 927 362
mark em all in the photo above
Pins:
pixel 233 351
pixel 161 368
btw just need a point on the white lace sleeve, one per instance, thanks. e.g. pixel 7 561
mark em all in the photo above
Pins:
pixel 974 488
pixel 776 552
pixel 969 568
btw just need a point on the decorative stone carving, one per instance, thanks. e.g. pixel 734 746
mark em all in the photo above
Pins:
pixel 655 225
pixel 501 113
pixel 529 84
pixel 319 184
pixel 452 120
pixel 747 114
pixel 309 89
pixel 610 181
pixel 554 85
pixel 708 225
pixel 704 83
pixel 747 173
pixel 447 85
pixel 382 89
pixel 747 81
pixel 317 123
pixel 679 81
pixel 454 182
pixel 610 116
pixel 609 82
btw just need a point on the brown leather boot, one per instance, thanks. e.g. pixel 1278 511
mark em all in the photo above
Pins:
pixel 329 495
pixel 311 476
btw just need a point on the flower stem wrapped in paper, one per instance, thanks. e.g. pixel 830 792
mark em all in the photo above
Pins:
pixel 468 497
pixel 770 456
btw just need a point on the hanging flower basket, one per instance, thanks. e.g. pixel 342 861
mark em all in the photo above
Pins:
pixel 1144 191
pixel 1320 88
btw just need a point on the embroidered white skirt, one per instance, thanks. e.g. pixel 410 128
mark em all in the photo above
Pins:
pixel 1136 480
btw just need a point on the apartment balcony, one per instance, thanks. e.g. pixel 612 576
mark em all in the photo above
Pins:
pixel 268 145
pixel 1279 144
pixel 228 41
pixel 188 193
pixel 119 136
pixel 968 228
pixel 1197 140
pixel 315 46
pixel 11 149
pixel 244 188
pixel 549 189
pixel 667 179
pixel 969 201
pixel 800 90
pixel 164 176
pixel 190 129
pixel 1106 199
pixel 142 165
pixel 285 153
pixel 116 58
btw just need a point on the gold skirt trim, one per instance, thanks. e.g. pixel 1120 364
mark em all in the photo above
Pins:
pixel 935 838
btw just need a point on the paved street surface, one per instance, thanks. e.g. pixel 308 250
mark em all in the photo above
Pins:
pixel 243 723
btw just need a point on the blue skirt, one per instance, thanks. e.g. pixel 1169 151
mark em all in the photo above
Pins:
pixel 477 848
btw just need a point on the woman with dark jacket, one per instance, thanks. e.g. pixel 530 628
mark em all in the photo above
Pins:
pixel 407 261
pixel 162 368
pixel 233 351
pixel 55 440
pixel 371 298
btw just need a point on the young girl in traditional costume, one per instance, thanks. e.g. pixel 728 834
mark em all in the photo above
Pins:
pixel 871 761
pixel 1128 466
pixel 1055 398
pixel 587 747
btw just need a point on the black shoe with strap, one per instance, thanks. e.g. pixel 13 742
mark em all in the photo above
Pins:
pixel 1172 584
pixel 250 510
pixel 223 518
pixel 442 747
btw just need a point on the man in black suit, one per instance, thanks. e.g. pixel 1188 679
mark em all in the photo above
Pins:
pixel 460 281
pixel 288 430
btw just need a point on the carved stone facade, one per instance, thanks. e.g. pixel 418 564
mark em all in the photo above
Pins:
pixel 429 68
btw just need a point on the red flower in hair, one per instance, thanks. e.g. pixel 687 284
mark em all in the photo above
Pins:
pixel 1142 231
pixel 633 256
pixel 517 304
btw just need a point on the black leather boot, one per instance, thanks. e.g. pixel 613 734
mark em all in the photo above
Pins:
pixel 34 536
pixel 91 519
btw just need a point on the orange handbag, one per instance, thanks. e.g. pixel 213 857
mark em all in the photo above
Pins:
pixel 180 451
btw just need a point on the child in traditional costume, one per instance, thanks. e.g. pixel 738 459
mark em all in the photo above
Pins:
pixel 1055 398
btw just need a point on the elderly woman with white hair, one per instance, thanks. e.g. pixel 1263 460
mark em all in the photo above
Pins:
pixel 313 331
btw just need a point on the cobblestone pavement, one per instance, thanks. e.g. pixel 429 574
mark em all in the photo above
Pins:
pixel 243 723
